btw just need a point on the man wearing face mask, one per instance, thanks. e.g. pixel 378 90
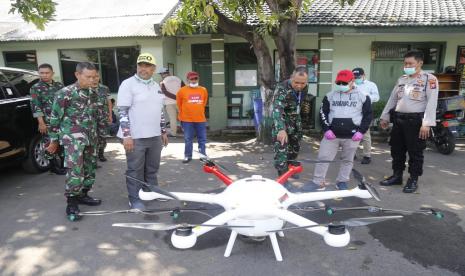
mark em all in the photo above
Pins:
pixel 142 127
pixel 345 116
pixel 191 100
pixel 370 89
pixel 412 109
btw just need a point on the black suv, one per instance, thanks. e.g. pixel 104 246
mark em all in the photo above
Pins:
pixel 20 139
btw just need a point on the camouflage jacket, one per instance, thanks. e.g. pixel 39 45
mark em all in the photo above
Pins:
pixel 75 117
pixel 103 95
pixel 42 95
pixel 287 108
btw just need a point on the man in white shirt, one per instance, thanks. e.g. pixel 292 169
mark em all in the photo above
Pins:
pixel 142 127
pixel 370 89
pixel 170 86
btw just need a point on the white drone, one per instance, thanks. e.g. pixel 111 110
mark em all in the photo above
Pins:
pixel 259 207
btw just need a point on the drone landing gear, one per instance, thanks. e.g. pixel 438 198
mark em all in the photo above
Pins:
pixel 274 243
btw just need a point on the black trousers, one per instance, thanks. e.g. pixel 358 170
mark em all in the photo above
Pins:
pixel 404 138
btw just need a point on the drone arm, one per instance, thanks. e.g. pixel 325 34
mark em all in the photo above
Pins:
pixel 194 197
pixel 315 196
pixel 214 170
pixel 300 221
pixel 291 171
pixel 220 219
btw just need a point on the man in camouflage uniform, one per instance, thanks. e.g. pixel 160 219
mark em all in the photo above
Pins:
pixel 74 123
pixel 42 95
pixel 104 106
pixel 289 98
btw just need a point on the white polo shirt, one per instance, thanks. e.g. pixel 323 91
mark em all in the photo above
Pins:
pixel 145 102
pixel 370 89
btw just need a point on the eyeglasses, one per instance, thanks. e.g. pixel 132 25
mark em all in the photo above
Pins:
pixel 193 79
pixel 342 83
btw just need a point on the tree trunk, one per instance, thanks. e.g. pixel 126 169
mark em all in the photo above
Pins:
pixel 267 84
pixel 285 44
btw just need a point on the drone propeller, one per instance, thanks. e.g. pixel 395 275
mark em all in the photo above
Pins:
pixel 365 185
pixel 207 160
pixel 353 222
pixel 175 212
pixel 165 226
pixel 154 188
pixel 371 209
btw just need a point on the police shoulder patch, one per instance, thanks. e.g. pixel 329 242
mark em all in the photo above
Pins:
pixel 432 84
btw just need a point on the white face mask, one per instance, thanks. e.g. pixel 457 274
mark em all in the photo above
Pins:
pixel 342 88
pixel 409 70
pixel 193 84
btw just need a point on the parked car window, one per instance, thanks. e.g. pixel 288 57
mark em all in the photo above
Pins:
pixel 22 81
pixel 6 91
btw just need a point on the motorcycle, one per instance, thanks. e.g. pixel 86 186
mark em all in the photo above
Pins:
pixel 448 117
pixel 444 134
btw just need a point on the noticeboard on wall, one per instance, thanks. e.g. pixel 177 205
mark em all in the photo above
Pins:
pixel 309 58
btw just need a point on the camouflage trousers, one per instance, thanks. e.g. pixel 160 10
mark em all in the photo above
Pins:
pixel 284 153
pixel 80 163
pixel 101 144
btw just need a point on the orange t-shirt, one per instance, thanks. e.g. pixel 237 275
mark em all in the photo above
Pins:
pixel 191 104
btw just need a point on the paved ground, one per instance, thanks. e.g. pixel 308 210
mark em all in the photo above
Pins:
pixel 36 239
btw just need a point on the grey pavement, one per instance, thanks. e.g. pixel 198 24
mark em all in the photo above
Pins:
pixel 37 239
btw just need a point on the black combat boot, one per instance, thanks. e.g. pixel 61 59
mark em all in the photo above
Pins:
pixel 101 157
pixel 56 167
pixel 72 209
pixel 411 186
pixel 85 199
pixel 395 179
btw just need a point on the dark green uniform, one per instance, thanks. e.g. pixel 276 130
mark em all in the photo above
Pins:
pixel 75 121
pixel 287 106
pixel 103 96
pixel 42 95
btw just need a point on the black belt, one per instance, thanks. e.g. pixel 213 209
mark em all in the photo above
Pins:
pixel 412 115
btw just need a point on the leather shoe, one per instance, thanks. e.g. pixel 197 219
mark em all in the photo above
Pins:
pixel 412 186
pixel 85 199
pixel 395 179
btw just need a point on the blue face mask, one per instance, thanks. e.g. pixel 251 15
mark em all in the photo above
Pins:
pixel 358 81
pixel 409 70
pixel 342 88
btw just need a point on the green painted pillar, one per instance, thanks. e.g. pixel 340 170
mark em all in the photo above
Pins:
pixel 218 101
pixel 325 70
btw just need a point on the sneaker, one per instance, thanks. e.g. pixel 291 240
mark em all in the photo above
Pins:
pixel 341 186
pixel 366 160
pixel 186 160
pixel 137 204
pixel 312 187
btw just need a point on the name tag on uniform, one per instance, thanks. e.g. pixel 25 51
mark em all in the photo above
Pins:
pixel 415 94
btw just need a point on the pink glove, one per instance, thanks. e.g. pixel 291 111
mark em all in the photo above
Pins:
pixel 357 136
pixel 329 134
